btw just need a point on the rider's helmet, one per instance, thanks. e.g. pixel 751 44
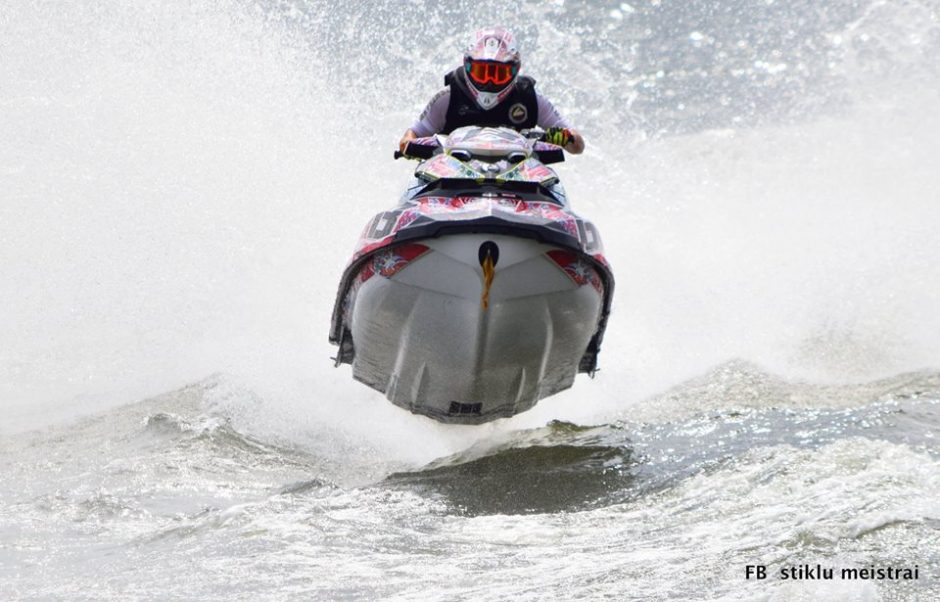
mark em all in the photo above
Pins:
pixel 491 66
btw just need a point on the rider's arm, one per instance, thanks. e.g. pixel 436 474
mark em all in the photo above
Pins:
pixel 431 120
pixel 549 117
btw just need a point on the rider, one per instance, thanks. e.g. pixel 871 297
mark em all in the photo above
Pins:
pixel 488 91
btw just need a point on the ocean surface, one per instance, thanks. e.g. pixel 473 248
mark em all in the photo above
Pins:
pixel 181 186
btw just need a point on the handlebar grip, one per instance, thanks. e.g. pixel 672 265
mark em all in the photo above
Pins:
pixel 399 154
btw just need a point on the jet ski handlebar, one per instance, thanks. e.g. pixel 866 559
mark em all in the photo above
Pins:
pixel 417 151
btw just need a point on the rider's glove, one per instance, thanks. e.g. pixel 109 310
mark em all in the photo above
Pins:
pixel 558 136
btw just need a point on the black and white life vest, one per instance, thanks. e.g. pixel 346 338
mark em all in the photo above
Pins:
pixel 519 110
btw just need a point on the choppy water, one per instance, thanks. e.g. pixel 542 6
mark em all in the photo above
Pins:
pixel 174 216
pixel 172 498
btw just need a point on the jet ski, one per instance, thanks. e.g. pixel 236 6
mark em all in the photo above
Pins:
pixel 481 292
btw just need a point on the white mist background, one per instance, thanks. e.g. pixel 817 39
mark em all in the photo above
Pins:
pixel 180 188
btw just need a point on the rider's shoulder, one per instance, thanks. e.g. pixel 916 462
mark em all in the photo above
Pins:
pixel 525 82
pixel 443 93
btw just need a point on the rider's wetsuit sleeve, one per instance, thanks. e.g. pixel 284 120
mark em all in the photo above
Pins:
pixel 549 117
pixel 434 115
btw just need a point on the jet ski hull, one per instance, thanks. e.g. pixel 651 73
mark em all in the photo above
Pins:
pixel 427 339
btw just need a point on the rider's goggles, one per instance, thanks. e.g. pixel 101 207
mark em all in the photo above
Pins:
pixel 490 73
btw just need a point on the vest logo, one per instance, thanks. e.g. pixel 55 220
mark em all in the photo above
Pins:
pixel 518 113
pixel 463 110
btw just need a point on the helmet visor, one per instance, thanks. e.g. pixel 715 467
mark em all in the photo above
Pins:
pixel 490 76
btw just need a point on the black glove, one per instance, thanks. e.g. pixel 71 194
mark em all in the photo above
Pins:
pixel 557 136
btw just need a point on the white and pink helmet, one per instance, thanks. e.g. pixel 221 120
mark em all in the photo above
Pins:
pixel 491 66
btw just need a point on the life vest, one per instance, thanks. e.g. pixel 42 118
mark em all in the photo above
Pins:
pixel 519 110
